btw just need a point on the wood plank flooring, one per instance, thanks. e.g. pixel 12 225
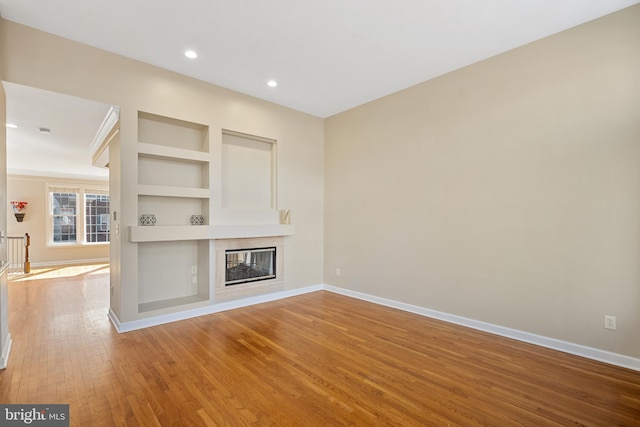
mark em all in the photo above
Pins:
pixel 313 360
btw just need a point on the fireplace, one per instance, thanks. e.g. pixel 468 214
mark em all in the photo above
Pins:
pixel 249 265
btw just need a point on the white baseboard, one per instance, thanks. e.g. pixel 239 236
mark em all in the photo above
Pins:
pixel 210 309
pixel 552 343
pixel 6 349
pixel 66 262
pixel 114 320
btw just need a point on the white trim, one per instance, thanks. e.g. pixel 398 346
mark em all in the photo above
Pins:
pixel 98 147
pixel 114 320
pixel 109 121
pixel 99 176
pixel 6 349
pixel 68 262
pixel 98 182
pixel 552 343
pixel 76 245
pixel 202 311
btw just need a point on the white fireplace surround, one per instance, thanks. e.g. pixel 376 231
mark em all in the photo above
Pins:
pixel 225 293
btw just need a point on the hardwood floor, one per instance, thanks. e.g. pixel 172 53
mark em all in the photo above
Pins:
pixel 311 360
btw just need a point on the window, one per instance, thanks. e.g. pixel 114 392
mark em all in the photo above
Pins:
pixel 73 210
pixel 64 207
pixel 96 217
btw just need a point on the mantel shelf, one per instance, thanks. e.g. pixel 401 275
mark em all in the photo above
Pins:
pixel 207 232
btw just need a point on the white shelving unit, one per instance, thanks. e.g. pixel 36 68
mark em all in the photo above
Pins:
pixel 176 260
pixel 173 184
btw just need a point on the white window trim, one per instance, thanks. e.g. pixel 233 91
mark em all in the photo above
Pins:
pixel 81 190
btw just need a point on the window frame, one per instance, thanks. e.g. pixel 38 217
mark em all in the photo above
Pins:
pixel 80 190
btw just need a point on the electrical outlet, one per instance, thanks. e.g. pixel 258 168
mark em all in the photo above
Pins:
pixel 194 280
pixel 338 272
pixel 610 322
pixel 194 269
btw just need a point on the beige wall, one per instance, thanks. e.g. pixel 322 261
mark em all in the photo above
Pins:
pixel 38 59
pixel 33 190
pixel 505 192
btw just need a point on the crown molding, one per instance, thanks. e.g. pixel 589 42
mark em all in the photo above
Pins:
pixel 107 130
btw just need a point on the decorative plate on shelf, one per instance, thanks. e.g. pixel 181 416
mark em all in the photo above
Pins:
pixel 147 219
pixel 196 220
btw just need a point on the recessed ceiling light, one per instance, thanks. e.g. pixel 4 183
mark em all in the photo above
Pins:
pixel 191 54
pixel 11 125
pixel 272 83
pixel 45 130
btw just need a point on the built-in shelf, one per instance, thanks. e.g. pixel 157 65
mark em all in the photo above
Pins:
pixel 173 183
pixel 171 132
pixel 173 153
pixel 167 191
pixel 207 232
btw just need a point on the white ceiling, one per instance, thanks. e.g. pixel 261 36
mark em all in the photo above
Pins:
pixel 64 152
pixel 327 56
